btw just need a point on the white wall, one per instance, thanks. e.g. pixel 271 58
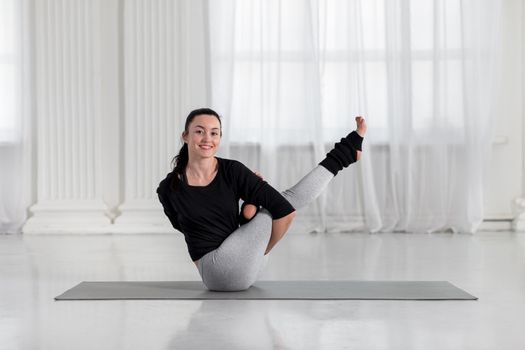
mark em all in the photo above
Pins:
pixel 505 180
pixel 101 145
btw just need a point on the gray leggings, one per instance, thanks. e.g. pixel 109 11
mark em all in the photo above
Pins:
pixel 237 263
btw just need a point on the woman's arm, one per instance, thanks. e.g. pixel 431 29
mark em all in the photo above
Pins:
pixel 253 189
pixel 169 211
pixel 279 228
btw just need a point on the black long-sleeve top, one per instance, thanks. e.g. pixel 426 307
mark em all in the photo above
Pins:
pixel 207 215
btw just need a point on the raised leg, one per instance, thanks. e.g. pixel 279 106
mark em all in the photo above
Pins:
pixel 249 210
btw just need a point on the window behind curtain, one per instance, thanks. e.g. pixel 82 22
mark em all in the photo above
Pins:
pixel 431 43
pixel 10 68
pixel 355 50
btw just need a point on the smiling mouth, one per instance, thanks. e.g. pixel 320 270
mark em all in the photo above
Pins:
pixel 206 147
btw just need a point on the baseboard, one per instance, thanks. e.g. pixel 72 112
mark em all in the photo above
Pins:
pixel 496 225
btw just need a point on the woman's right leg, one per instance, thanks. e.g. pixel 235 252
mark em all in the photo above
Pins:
pixel 237 262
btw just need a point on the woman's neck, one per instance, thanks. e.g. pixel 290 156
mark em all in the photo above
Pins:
pixel 202 168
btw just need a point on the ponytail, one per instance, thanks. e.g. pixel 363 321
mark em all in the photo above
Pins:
pixel 179 163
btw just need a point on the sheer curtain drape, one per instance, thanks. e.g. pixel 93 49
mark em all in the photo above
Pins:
pixel 15 111
pixel 289 77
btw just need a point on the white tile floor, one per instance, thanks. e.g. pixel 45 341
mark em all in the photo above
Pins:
pixel 35 269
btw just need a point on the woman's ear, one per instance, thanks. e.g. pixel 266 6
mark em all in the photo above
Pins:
pixel 183 136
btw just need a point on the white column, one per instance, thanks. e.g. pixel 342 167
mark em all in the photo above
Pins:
pixel 518 205
pixel 162 82
pixel 69 119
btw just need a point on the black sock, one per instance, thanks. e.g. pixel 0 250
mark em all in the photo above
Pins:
pixel 355 140
pixel 344 153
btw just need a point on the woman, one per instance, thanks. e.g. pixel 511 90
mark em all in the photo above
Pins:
pixel 201 199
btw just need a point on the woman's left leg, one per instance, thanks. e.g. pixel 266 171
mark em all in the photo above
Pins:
pixel 239 260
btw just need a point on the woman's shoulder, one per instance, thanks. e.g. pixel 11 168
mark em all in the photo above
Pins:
pixel 165 183
pixel 231 164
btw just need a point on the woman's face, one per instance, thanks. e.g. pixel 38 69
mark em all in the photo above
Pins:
pixel 203 137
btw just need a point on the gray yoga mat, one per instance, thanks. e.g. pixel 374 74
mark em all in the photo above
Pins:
pixel 281 290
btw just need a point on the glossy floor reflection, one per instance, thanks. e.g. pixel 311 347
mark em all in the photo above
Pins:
pixel 491 266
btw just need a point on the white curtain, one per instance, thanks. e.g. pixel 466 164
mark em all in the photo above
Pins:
pixel 290 76
pixel 15 112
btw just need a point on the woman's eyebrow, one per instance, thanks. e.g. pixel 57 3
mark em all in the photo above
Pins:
pixel 200 126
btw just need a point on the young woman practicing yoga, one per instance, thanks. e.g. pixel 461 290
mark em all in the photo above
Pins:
pixel 201 199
